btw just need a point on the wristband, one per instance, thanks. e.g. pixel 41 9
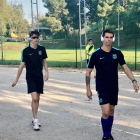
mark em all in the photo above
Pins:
pixel 133 80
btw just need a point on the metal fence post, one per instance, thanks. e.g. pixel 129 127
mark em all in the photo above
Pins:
pixel 1 42
pixel 135 48
pixel 76 50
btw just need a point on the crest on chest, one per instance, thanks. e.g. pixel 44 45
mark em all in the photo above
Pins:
pixel 40 52
pixel 114 56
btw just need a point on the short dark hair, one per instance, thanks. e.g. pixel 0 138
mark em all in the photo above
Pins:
pixel 108 31
pixel 89 40
pixel 34 32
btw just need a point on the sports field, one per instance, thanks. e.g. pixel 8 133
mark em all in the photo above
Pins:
pixel 67 57
pixel 65 112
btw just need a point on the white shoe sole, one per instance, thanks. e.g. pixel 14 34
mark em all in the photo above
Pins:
pixel 36 129
pixel 38 124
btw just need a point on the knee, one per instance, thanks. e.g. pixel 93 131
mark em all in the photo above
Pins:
pixel 35 100
pixel 111 112
pixel 105 114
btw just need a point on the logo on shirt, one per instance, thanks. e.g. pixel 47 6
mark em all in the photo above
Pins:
pixel 40 52
pixel 114 56
pixel 31 54
pixel 102 57
pixel 100 100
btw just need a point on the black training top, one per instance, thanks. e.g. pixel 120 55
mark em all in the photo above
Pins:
pixel 106 64
pixel 33 59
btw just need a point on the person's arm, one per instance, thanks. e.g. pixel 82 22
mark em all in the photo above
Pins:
pixel 87 53
pixel 86 50
pixel 21 66
pixel 90 66
pixel 130 76
pixel 46 77
pixel 88 73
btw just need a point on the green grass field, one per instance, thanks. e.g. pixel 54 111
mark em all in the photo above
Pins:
pixel 61 57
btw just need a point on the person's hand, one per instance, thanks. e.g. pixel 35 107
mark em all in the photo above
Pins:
pixel 136 87
pixel 46 77
pixel 14 83
pixel 89 94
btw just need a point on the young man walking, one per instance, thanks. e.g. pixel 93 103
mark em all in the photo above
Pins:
pixel 89 50
pixel 34 57
pixel 106 60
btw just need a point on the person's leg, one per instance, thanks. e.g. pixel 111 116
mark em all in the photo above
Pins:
pixel 111 117
pixel 105 110
pixel 104 120
pixel 35 103
pixel 113 103
pixel 112 109
pixel 39 84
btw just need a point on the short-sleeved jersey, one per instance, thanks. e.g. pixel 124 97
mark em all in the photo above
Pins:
pixel 33 59
pixel 89 51
pixel 106 64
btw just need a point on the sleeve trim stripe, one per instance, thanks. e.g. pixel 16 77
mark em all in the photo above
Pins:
pixel 115 48
pixel 91 55
pixel 22 53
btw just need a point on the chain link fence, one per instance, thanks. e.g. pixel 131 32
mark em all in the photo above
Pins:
pixel 63 45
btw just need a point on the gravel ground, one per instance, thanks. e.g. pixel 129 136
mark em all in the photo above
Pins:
pixel 65 112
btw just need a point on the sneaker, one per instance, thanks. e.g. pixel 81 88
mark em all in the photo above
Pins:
pixel 32 122
pixel 111 137
pixel 35 125
pixel 106 138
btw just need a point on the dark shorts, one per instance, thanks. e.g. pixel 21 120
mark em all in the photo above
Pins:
pixel 87 61
pixel 35 85
pixel 105 98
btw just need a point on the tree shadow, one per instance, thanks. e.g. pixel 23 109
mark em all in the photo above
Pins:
pixel 65 112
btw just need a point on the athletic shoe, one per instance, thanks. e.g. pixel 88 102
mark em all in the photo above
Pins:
pixel 35 125
pixel 111 137
pixel 32 122
pixel 106 138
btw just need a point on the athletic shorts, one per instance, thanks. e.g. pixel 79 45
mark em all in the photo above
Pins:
pixel 105 98
pixel 87 61
pixel 35 85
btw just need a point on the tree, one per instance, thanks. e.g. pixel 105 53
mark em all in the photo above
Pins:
pixel 104 9
pixel 4 15
pixel 12 18
pixel 57 9
pixel 52 23
pixel 131 21
pixel 73 16
pixel 113 17
pixel 20 25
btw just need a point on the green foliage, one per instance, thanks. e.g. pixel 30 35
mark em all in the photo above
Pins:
pixel 19 25
pixel 110 1
pixel 73 16
pixel 12 19
pixel 52 23
pixel 57 16
pixel 57 9
pixel 101 14
pixel 3 39
pixel 131 20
